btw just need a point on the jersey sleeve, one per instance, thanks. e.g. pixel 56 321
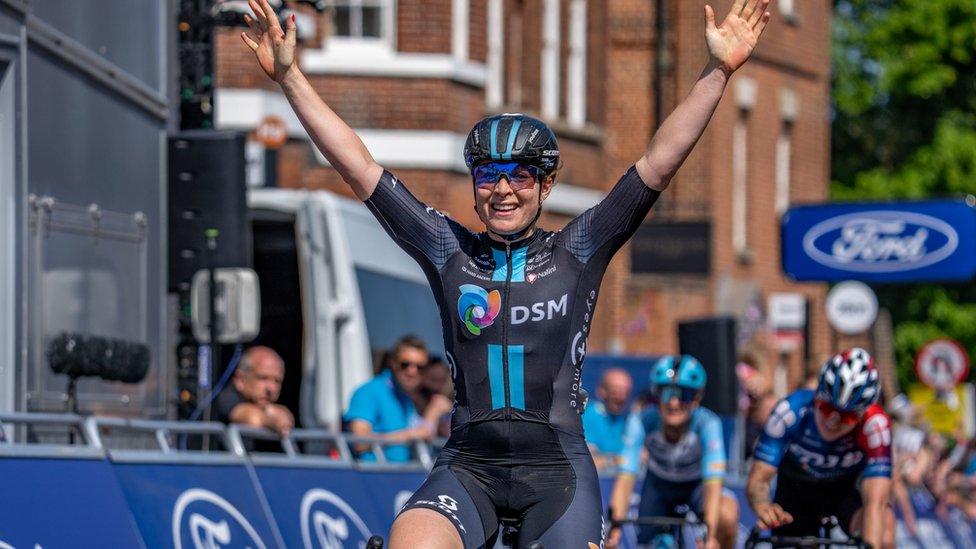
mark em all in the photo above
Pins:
pixel 775 435
pixel 633 444
pixel 604 228
pixel 363 406
pixel 874 439
pixel 428 235
pixel 713 446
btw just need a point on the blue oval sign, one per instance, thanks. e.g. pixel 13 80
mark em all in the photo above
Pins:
pixel 909 241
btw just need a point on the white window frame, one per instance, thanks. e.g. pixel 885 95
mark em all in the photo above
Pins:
pixel 550 60
pixel 788 108
pixel 460 32
pixel 495 83
pixel 358 45
pixel 576 65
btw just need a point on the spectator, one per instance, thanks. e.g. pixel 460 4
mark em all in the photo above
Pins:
pixel 251 399
pixel 757 399
pixel 437 396
pixel 385 406
pixel 605 418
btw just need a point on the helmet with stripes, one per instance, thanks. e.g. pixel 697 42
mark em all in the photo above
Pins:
pixel 849 381
pixel 512 137
pixel 683 370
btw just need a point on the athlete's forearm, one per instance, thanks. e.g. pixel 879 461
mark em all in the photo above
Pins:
pixel 757 488
pixel 873 523
pixel 623 488
pixel 711 501
pixel 333 137
pixel 677 136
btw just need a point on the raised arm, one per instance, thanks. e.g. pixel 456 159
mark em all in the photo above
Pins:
pixel 729 45
pixel 274 49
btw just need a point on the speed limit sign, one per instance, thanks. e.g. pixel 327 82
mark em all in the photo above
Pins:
pixel 942 364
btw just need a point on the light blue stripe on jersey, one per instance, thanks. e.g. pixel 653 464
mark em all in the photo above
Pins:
pixel 516 375
pixel 496 376
pixel 500 273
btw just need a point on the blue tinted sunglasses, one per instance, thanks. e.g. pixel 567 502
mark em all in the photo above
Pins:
pixel 664 394
pixel 520 176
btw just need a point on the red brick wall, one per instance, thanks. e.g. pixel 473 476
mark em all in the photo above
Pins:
pixel 424 26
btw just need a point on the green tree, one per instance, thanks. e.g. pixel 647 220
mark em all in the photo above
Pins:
pixel 904 127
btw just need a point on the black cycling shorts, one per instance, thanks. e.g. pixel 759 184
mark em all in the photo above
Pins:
pixel 556 497
pixel 810 501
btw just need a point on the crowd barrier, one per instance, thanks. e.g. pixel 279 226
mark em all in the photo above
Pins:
pixel 95 491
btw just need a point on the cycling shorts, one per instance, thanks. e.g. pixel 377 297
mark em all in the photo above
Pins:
pixel 662 498
pixel 810 501
pixel 548 483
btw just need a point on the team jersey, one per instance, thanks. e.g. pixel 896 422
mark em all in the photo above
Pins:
pixel 698 455
pixel 515 317
pixel 791 442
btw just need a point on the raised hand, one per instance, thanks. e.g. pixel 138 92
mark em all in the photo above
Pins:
pixel 732 42
pixel 274 47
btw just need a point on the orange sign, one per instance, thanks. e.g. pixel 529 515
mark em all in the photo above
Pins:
pixel 272 132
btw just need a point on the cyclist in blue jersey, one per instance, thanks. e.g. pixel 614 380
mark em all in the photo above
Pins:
pixel 829 450
pixel 686 458
pixel 515 301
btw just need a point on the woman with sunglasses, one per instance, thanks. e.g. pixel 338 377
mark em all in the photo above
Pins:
pixel 830 452
pixel 516 301
pixel 686 459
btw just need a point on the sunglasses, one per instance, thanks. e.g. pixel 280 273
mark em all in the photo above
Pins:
pixel 403 365
pixel 846 417
pixel 664 393
pixel 520 176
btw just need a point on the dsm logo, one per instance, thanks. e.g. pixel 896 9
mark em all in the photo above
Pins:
pixel 880 241
pixel 328 522
pixel 204 520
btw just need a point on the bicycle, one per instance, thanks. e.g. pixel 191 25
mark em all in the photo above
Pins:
pixel 758 538
pixel 676 525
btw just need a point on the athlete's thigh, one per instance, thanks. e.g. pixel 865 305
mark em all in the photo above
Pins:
pixel 572 518
pixel 443 493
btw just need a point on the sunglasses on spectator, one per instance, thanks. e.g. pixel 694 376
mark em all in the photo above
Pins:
pixel 846 417
pixel 520 176
pixel 403 365
pixel 664 393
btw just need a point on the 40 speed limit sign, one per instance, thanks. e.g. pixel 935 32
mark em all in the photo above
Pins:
pixel 942 364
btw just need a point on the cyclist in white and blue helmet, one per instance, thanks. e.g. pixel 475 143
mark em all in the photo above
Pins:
pixel 686 458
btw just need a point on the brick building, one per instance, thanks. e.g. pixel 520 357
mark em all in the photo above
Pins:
pixel 413 76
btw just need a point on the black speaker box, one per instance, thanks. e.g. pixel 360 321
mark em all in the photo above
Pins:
pixel 207 190
pixel 712 342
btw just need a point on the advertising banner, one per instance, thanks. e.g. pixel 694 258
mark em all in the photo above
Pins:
pixel 880 242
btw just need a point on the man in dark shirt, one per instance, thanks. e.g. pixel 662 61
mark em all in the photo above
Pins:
pixel 251 398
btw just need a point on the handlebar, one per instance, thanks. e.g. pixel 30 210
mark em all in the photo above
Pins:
pixel 757 536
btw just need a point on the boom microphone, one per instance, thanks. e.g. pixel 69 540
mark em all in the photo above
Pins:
pixel 78 355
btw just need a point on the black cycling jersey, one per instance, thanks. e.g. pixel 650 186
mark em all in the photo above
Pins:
pixel 515 319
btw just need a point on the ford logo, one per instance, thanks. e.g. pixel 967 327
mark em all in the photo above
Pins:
pixel 880 241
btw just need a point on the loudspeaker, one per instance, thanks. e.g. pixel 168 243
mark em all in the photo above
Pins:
pixel 712 342
pixel 207 190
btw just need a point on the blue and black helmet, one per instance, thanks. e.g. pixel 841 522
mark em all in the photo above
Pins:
pixel 849 381
pixel 512 137
pixel 683 370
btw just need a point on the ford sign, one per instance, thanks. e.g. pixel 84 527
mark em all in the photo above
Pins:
pixel 881 242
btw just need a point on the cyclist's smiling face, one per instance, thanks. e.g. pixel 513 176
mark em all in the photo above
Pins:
pixel 505 208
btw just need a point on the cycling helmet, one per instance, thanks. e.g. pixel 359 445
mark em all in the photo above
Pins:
pixel 512 137
pixel 849 381
pixel 683 371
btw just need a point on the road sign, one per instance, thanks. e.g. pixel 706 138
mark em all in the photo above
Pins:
pixel 851 307
pixel 942 364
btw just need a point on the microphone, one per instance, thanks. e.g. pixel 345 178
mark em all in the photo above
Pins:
pixel 79 355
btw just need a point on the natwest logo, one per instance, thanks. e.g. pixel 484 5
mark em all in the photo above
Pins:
pixel 544 310
pixel 880 241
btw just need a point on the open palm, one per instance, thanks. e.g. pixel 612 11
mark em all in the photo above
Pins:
pixel 273 47
pixel 732 42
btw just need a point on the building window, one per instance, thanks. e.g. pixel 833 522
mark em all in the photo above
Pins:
pixel 494 85
pixel 576 85
pixel 789 11
pixel 788 108
pixel 550 60
pixel 745 98
pixel 365 22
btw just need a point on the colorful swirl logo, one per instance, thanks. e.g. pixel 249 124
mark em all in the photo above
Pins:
pixel 478 308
